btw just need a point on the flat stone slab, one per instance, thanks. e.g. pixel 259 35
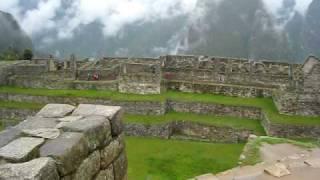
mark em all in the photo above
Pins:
pixel 37 169
pixel 70 118
pixel 9 135
pixel 97 130
pixel 37 123
pixel 68 150
pixel 22 149
pixel 98 110
pixel 55 110
pixel 47 133
pixel 315 163
pixel 206 177
pixel 277 170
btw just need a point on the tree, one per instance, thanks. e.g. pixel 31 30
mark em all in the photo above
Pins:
pixel 27 54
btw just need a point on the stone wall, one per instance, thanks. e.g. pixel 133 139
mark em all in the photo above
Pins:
pixel 66 142
pixel 229 71
pixel 188 131
pixel 289 130
pixel 223 89
pixel 10 116
pixel 214 109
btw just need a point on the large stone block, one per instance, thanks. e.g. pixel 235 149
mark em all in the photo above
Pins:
pixel 120 167
pixel 8 135
pixel 55 110
pixel 37 169
pixel 117 125
pixel 89 167
pixel 96 110
pixel 106 174
pixel 33 123
pixel 69 149
pixel 112 151
pixel 97 130
pixel 22 149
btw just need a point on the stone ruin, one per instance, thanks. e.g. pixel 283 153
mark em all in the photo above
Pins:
pixel 66 142
pixel 294 87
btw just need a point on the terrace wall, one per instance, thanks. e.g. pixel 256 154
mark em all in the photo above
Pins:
pixel 188 131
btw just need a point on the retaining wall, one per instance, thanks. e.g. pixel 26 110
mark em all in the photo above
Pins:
pixel 65 142
pixel 289 130
pixel 188 131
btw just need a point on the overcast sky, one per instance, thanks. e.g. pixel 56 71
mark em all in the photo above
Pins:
pixel 112 14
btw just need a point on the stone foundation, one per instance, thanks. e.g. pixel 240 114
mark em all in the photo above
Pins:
pixel 66 142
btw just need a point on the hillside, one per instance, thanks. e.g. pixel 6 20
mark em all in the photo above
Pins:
pixel 12 36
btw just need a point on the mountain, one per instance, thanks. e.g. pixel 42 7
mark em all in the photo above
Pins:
pixel 12 36
pixel 246 28
pixel 311 36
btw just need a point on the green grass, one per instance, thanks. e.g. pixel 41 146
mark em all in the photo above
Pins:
pixel 266 104
pixel 177 160
pixel 20 105
pixel 252 153
pixel 222 121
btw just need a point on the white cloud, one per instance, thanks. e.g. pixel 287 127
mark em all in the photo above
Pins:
pixel 302 6
pixel 112 14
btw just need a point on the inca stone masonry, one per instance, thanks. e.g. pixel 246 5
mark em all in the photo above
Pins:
pixel 295 88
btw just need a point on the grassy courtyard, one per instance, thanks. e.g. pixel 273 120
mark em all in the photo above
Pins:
pixel 157 159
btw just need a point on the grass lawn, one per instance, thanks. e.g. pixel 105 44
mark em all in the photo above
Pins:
pixel 157 159
pixel 264 103
pixel 19 105
pixel 223 121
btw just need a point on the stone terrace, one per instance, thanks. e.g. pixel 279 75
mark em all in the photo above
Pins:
pixel 66 142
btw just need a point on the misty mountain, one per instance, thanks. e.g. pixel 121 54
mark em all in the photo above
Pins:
pixel 255 29
pixel 246 29
pixel 12 36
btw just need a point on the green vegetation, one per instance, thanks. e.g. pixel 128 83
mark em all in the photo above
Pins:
pixel 10 54
pixel 27 54
pixel 266 104
pixel 170 159
pixel 222 121
pixel 251 151
pixel 19 105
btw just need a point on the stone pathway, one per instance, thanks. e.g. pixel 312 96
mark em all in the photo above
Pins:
pixel 280 161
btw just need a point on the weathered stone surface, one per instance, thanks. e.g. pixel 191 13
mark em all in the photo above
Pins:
pixel 55 110
pixel 116 123
pixel 277 170
pixel 97 110
pixel 37 169
pixel 120 167
pixel 110 152
pixel 70 118
pixel 8 135
pixel 46 133
pixel 37 122
pixel 315 163
pixel 89 167
pixel 206 177
pixel 106 174
pixel 68 150
pixel 22 149
pixel 96 129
